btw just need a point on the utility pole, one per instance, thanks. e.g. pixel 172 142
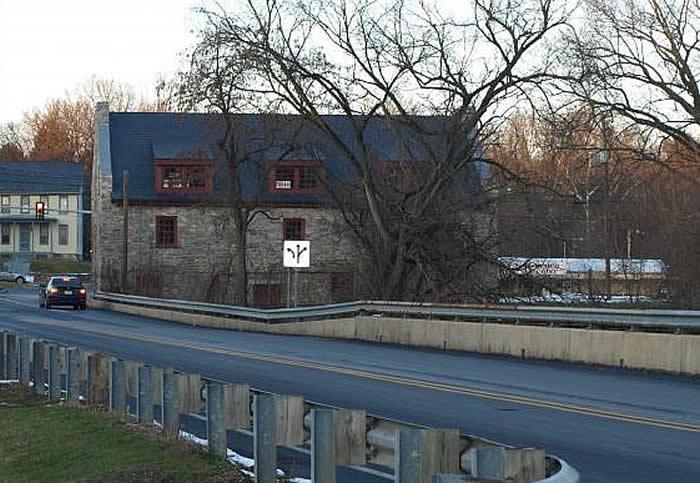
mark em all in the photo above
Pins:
pixel 125 230
pixel 606 205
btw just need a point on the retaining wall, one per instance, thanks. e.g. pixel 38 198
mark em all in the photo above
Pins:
pixel 676 353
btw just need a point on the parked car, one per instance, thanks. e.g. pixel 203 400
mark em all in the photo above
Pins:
pixel 17 277
pixel 63 291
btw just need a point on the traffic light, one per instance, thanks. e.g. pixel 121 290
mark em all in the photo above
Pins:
pixel 39 210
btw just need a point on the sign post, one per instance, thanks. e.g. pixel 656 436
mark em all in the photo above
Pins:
pixel 296 254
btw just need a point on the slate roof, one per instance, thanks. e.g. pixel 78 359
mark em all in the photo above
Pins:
pixel 40 177
pixel 137 139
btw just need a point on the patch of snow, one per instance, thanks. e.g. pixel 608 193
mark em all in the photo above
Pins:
pixel 9 381
pixel 233 457
pixel 576 298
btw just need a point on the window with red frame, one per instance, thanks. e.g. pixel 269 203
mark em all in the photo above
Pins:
pixel 296 178
pixel 183 178
pixel 293 229
pixel 166 231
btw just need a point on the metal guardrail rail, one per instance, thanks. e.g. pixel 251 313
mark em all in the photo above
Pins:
pixel 653 320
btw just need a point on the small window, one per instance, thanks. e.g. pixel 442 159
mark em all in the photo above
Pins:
pixel 308 178
pixel 44 234
pixel 196 177
pixel 5 234
pixel 301 178
pixel 284 178
pixel 63 203
pixel 172 177
pixel 166 231
pixel 293 229
pixel 5 204
pixel 63 234
pixel 24 203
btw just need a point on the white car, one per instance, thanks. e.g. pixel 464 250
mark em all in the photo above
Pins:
pixel 16 277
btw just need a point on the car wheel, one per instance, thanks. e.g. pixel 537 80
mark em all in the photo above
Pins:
pixel 19 280
pixel 83 307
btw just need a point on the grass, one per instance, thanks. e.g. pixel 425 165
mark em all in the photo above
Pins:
pixel 59 265
pixel 41 442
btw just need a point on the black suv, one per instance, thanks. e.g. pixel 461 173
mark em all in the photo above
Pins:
pixel 64 291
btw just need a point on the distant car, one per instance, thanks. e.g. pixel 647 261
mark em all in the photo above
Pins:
pixel 63 291
pixel 17 277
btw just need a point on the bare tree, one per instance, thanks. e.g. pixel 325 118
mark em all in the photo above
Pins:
pixel 377 65
pixel 211 82
pixel 640 59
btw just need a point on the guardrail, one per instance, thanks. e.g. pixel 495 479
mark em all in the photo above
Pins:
pixel 336 436
pixel 653 320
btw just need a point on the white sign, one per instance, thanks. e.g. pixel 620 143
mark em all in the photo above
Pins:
pixel 297 253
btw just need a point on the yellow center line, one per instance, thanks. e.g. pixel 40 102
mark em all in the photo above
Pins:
pixel 405 381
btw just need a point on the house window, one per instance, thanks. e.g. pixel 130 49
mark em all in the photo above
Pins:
pixel 293 229
pixel 299 178
pixel 284 178
pixel 5 204
pixel 63 203
pixel 308 178
pixel 24 203
pixel 183 178
pixel 63 234
pixel 5 234
pixel 166 231
pixel 44 234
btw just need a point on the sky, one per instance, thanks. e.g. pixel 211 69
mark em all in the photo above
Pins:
pixel 49 48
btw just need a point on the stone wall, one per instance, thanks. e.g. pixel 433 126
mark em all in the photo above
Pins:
pixel 196 267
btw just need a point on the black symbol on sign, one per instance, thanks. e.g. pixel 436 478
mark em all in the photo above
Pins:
pixel 296 255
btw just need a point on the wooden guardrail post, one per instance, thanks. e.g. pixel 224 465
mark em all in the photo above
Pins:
pixel 54 373
pixel 38 363
pixel 190 393
pixel 73 375
pixel 338 437
pixel 117 386
pixel 98 380
pixel 422 453
pixel 144 404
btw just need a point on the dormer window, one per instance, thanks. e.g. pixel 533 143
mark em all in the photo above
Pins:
pixel 296 177
pixel 183 176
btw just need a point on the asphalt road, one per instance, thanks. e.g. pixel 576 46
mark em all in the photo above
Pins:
pixel 612 425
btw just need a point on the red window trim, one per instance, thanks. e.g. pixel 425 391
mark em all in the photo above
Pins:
pixel 177 237
pixel 296 166
pixel 284 227
pixel 184 164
